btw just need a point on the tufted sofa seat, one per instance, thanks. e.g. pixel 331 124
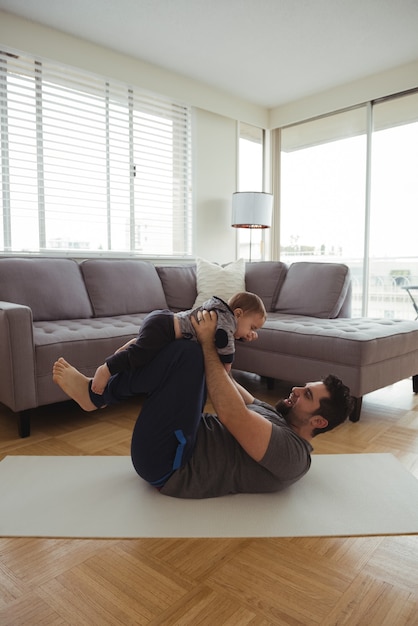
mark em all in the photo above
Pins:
pixel 354 341
pixel 80 336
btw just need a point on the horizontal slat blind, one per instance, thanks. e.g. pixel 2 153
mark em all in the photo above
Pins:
pixel 90 164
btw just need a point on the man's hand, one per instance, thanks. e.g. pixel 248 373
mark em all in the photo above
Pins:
pixel 205 326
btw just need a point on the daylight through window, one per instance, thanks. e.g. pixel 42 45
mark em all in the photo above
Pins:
pixel 336 208
pixel 91 165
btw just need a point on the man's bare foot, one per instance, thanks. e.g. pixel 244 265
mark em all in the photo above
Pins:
pixel 74 383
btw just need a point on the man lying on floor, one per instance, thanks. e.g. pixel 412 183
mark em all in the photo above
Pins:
pixel 247 447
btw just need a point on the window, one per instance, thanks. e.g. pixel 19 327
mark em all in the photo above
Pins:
pixel 323 173
pixel 251 242
pixel 349 194
pixel 393 207
pixel 91 165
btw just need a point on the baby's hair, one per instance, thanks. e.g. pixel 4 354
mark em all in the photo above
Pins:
pixel 248 302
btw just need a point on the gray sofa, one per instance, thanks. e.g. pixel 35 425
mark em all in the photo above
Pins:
pixel 83 311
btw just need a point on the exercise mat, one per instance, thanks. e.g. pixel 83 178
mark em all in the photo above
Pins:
pixel 102 496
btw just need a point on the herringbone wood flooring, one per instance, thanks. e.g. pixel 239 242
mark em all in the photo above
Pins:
pixel 365 581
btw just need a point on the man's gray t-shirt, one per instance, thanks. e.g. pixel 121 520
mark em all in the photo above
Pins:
pixel 220 466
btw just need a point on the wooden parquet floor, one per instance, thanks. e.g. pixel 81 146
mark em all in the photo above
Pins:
pixel 354 581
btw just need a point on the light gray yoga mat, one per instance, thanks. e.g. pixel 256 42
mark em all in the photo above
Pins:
pixel 93 496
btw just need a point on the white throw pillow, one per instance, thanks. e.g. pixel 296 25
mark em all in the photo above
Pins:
pixel 215 280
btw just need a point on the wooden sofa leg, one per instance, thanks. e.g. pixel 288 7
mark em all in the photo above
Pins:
pixel 23 423
pixel 415 383
pixel 355 413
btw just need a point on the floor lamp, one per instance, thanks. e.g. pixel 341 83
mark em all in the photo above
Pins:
pixel 251 209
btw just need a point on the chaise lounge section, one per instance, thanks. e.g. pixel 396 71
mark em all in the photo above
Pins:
pixel 309 333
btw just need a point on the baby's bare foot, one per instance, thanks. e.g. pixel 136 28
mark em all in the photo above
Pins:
pixel 74 383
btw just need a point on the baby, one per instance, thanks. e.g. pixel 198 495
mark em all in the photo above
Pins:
pixel 239 318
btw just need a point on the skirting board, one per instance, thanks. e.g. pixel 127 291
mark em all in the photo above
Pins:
pixel 102 497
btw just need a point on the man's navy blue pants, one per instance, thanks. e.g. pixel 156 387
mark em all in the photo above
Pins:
pixel 165 431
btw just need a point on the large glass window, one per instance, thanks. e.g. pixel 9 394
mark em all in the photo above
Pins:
pixel 394 208
pixel 349 193
pixel 91 165
pixel 323 173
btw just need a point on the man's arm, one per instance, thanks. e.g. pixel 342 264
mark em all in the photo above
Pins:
pixel 245 394
pixel 251 430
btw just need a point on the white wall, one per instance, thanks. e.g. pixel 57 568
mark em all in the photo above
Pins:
pixel 358 92
pixel 215 158
pixel 52 44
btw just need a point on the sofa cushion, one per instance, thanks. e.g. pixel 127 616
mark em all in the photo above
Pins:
pixel 52 288
pixel 179 284
pixel 265 279
pixel 217 280
pixel 315 289
pixel 355 341
pixel 120 287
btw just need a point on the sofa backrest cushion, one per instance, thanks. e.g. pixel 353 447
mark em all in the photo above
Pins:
pixel 223 281
pixel 179 284
pixel 314 289
pixel 119 287
pixel 265 279
pixel 52 288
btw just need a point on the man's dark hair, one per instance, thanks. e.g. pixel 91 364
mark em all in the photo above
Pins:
pixel 337 407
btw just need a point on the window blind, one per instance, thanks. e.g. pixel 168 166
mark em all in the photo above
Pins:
pixel 91 164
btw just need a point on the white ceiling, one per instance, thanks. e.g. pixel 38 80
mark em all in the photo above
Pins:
pixel 268 52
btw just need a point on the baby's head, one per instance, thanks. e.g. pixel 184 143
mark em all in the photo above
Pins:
pixel 250 313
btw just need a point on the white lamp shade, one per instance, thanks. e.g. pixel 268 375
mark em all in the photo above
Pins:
pixel 251 209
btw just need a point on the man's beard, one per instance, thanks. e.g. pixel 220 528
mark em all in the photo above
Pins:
pixel 288 413
pixel 283 408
